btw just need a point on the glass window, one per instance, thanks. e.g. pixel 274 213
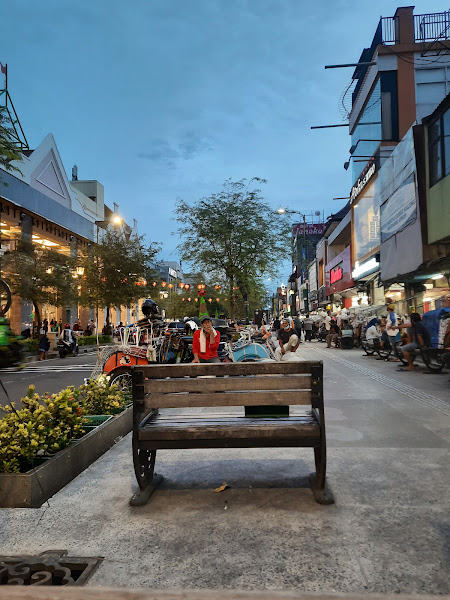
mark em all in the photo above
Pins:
pixel 446 127
pixel 369 128
pixel 366 223
pixel 434 131
pixel 435 162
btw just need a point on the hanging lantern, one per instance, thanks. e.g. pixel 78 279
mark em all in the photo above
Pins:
pixel 217 300
pixel 187 286
pixel 49 270
pixel 154 284
pixel 182 299
pixel 164 283
pixel 196 299
pixel 209 300
pixel 181 285
pixel 189 299
pixel 170 285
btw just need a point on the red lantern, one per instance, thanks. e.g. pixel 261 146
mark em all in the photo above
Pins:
pixel 217 300
pixel 182 299
pixel 181 285
pixel 154 284
pixel 187 286
pixel 209 299
pixel 170 285
pixel 196 299
pixel 189 299
pixel 164 283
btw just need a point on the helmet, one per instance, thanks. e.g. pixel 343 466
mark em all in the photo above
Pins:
pixel 67 326
pixel 149 308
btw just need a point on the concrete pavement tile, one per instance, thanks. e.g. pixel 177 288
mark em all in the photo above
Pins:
pixel 377 424
pixel 390 477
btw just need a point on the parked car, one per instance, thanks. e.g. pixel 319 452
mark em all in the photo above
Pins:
pixel 174 327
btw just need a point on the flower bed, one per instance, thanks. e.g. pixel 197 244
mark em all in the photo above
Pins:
pixel 53 430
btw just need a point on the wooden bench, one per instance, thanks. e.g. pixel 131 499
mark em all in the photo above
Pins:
pixel 279 384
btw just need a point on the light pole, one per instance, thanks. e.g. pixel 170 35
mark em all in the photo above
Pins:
pixel 115 219
pixel 283 211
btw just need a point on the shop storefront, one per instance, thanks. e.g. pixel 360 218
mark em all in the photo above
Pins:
pixel 339 280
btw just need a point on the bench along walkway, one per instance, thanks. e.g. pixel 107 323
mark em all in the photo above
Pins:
pixel 265 388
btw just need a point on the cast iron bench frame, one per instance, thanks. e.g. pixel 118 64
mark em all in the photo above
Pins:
pixel 231 385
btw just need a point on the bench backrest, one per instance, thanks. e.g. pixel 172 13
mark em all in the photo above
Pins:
pixel 228 384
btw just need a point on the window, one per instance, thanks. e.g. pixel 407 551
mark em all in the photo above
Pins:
pixel 366 223
pixel 439 148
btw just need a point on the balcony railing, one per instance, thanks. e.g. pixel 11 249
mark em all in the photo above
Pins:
pixel 427 28
pixel 432 27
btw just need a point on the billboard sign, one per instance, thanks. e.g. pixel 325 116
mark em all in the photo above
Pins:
pixel 311 229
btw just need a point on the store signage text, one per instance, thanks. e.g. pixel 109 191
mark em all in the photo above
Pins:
pixel 362 182
pixel 366 268
pixel 336 273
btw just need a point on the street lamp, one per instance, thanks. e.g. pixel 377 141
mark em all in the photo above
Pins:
pixel 115 219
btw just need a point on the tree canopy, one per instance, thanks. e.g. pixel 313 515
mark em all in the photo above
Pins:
pixel 116 271
pixel 234 235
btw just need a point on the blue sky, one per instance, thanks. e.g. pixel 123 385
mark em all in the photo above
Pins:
pixel 160 99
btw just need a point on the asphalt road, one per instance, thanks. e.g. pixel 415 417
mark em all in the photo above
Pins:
pixel 51 376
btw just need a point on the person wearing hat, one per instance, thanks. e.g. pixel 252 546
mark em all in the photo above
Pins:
pixel 205 342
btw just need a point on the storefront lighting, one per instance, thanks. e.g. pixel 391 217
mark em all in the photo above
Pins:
pixel 440 276
pixel 49 271
pixel 365 268
pixel 80 271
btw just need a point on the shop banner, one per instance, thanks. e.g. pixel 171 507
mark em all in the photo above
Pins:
pixel 400 210
pixel 338 273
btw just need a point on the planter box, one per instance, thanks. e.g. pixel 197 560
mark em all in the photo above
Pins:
pixel 32 489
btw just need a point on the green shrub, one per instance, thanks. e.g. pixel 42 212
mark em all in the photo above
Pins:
pixel 97 397
pixel 29 345
pixel 43 424
pixel 46 424
pixel 91 340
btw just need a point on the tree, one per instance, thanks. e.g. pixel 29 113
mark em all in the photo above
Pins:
pixel 9 150
pixel 115 271
pixel 40 275
pixel 234 235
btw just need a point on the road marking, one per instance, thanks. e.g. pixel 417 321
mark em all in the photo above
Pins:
pixel 403 388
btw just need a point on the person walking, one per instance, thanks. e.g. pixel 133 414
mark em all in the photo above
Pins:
pixel 276 325
pixel 44 347
pixel 287 339
pixel 308 328
pixel 205 342
pixel 298 326
pixel 392 330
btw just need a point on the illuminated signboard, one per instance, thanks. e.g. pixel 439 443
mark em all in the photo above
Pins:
pixel 311 229
pixel 336 273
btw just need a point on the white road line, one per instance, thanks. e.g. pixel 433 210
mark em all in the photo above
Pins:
pixel 402 388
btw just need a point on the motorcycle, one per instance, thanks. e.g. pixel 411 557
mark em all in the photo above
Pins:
pixel 65 348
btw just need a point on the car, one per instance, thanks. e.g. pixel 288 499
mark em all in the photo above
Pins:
pixel 174 327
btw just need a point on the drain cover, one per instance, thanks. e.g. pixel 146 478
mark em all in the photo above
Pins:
pixel 53 567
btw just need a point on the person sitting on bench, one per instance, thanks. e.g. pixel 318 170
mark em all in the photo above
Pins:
pixel 205 342
pixel 420 337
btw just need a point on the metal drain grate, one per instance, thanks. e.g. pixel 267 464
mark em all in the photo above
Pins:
pixel 53 567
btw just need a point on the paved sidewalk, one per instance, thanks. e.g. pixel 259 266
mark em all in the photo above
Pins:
pixel 388 466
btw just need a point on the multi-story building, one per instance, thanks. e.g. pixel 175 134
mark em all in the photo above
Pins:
pixel 400 80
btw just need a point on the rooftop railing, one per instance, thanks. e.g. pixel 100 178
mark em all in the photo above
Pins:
pixel 427 28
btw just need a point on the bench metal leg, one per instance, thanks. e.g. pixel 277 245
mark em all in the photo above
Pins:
pixel 148 480
pixel 142 496
pixel 322 492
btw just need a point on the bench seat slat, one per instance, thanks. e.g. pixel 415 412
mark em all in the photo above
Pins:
pixel 249 398
pixel 233 383
pixel 228 428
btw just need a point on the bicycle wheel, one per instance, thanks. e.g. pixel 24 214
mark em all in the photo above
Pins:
pixel 5 297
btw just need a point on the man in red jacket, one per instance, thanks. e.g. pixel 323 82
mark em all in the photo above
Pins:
pixel 205 343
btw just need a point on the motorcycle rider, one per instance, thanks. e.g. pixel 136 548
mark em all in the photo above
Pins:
pixel 69 337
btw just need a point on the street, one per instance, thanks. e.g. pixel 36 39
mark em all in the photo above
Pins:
pixel 51 375
pixel 388 467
